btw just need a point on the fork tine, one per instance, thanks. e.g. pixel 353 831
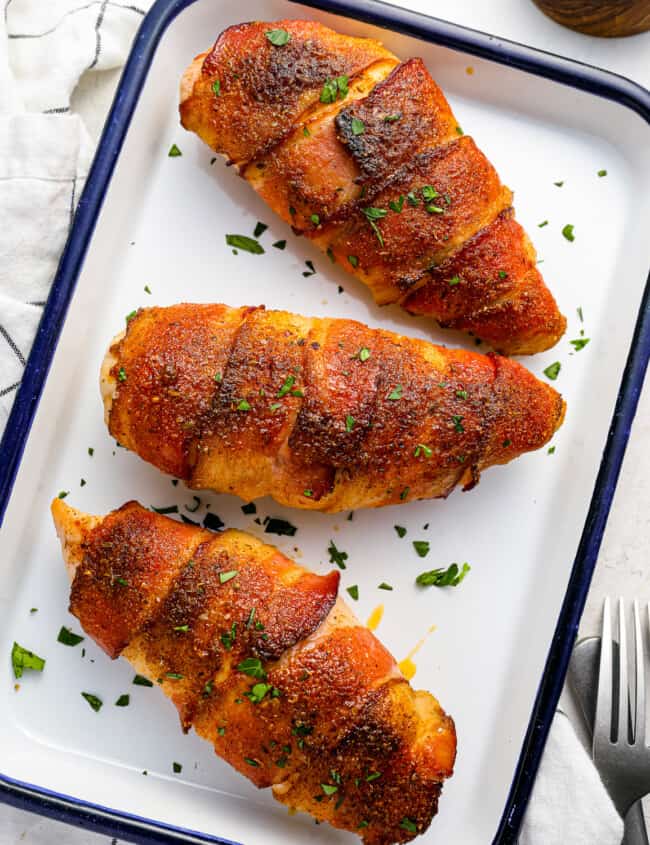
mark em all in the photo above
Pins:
pixel 622 734
pixel 639 719
pixel 603 720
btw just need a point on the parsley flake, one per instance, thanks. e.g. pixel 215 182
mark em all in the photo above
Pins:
pixel 278 37
pixel 337 556
pixel 553 370
pixel 450 577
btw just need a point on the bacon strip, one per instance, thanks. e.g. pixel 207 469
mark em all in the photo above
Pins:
pixel 321 414
pixel 385 142
pixel 263 661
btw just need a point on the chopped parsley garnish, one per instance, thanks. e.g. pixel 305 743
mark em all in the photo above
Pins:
pixel 147 289
pixel 123 701
pixel 252 666
pixel 245 243
pixel 334 88
pixel 401 531
pixel 67 637
pixel 244 405
pixel 422 448
pixel 358 126
pixel 450 577
pixel 435 209
pixel 278 37
pixel 459 130
pixel 406 823
pixel 315 219
pixel 364 353
pixel 551 450
pixel 260 228
pixel 174 676
pixel 507 442
pixel 33 610
pixel 397 206
pixel 503 274
pixel 130 315
pixel 391 118
pixel 455 280
pixel 349 423
pixel 384 586
pixel 221 731
pixel 141 681
pixel 373 776
pixel 95 703
pixel 251 617
pixel 396 393
pixel 567 231
pixel 337 556
pixel 404 493
pixel 280 527
pixel 196 506
pixel 279 244
pixel 461 394
pixel 373 214
pixel 227 640
pixel 286 387
pixel 212 522
pixel 421 547
pixel 311 271
pixel 250 761
pixel 306 132
pixel 163 511
pixel 579 313
pixel 580 343
pixel 429 193
pixel 354 261
pixel 353 592
pixel 62 494
pixel 257 692
pixel 91 451
pixel 542 224
pixel 458 423
pixel 182 629
pixel 22 658
pixel 121 374
pixel 553 370
pixel 558 184
pixel 412 199
pixel 308 493
pixel 174 152
pixel 216 87
pixel 602 173
pixel 224 577
pixel 250 508
pixel 177 768
pixel 328 789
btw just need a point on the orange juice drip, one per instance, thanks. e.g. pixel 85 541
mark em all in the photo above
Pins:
pixel 375 617
pixel 407 666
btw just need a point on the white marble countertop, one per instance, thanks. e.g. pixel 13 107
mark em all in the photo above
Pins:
pixel 621 568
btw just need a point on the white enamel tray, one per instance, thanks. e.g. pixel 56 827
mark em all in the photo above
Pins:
pixel 162 225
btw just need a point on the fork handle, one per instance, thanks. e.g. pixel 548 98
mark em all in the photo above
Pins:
pixel 635 829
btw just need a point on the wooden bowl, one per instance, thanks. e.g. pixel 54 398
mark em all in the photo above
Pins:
pixel 606 18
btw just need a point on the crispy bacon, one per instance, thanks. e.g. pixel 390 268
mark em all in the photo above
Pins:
pixel 319 413
pixel 264 662
pixel 387 143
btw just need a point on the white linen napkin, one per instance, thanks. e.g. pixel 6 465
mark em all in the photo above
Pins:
pixel 45 48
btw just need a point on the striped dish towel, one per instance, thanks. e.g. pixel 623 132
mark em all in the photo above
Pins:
pixel 46 47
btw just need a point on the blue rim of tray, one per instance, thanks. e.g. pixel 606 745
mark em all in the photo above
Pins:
pixel 584 77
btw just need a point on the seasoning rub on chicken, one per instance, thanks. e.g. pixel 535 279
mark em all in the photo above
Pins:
pixel 265 662
pixel 319 413
pixel 362 154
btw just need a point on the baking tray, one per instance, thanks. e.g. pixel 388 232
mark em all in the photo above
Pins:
pixel 531 531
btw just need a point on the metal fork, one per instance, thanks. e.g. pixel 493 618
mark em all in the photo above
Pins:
pixel 620 751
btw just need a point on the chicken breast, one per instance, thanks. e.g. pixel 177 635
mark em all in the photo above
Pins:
pixel 321 414
pixel 263 660
pixel 363 155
